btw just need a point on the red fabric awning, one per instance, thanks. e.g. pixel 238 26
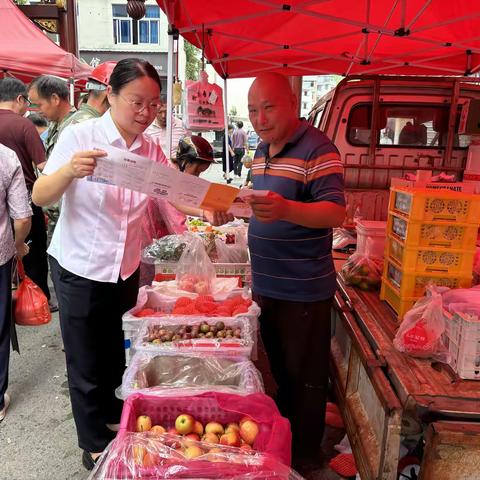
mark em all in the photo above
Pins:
pixel 27 52
pixel 307 37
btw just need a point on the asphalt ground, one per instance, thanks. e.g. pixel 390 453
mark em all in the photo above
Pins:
pixel 37 436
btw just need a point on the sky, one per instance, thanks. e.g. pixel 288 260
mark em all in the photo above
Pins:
pixel 237 90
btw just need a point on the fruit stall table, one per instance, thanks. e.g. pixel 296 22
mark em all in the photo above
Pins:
pixel 385 394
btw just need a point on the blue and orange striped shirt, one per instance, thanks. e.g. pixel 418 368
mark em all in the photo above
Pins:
pixel 289 261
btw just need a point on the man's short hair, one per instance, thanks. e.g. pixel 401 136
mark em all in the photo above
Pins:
pixel 240 124
pixel 47 85
pixel 38 120
pixel 11 88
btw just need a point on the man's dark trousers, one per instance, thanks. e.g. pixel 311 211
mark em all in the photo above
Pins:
pixel 237 165
pixel 5 319
pixel 36 262
pixel 296 336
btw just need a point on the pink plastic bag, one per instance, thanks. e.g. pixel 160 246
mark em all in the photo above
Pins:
pixel 421 331
pixel 274 437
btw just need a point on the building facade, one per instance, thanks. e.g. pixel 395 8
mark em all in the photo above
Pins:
pixel 313 88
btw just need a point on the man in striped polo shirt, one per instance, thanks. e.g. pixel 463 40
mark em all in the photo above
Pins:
pixel 290 240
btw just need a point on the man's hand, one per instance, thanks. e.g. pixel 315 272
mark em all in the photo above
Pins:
pixel 22 249
pixel 217 218
pixel 83 164
pixel 270 208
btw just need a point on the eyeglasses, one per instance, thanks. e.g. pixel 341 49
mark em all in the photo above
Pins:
pixel 29 103
pixel 139 107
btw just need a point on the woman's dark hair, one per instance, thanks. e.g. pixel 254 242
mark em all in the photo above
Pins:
pixel 130 69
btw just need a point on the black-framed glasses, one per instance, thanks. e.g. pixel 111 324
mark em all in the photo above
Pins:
pixel 29 103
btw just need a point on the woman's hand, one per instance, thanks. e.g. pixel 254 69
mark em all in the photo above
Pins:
pixel 22 249
pixel 83 164
pixel 217 218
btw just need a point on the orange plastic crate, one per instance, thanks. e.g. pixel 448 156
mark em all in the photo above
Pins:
pixel 460 236
pixel 421 204
pixel 412 284
pixel 400 305
pixel 430 259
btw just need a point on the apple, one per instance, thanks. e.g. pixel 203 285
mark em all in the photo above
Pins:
pixel 210 438
pixel 214 427
pixel 246 446
pixel 231 439
pixel 232 426
pixel 249 431
pixel 157 430
pixel 144 423
pixel 243 419
pixel 184 424
pixel 138 454
pixel 151 459
pixel 172 443
pixel 190 439
pixel 193 451
pixel 215 457
pixel 198 428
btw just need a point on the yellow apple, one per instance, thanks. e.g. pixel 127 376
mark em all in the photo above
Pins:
pixel 198 428
pixel 157 430
pixel 232 439
pixel 184 424
pixel 249 431
pixel 210 438
pixel 144 423
pixel 214 427
pixel 193 451
pixel 232 426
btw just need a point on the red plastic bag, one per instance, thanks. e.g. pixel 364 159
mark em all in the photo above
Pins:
pixel 31 304
pixel 421 331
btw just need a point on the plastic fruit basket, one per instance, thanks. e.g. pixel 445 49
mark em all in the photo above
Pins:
pixel 418 204
pixel 274 436
pixel 430 259
pixel 412 284
pixel 460 236
pixel 463 340
pixel 225 347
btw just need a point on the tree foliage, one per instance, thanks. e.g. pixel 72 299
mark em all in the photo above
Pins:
pixel 192 64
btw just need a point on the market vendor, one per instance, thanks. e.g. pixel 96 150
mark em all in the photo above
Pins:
pixel 95 249
pixel 290 241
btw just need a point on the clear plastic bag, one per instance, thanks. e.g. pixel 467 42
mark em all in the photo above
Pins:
pixel 232 249
pixel 363 271
pixel 165 374
pixel 195 271
pixel 421 331
pixel 142 455
pixel 166 249
pixel 342 238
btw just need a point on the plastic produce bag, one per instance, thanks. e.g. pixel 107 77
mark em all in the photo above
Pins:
pixel 195 271
pixel 143 455
pixel 165 249
pixel 165 374
pixel 363 271
pixel 31 304
pixel 232 249
pixel 420 333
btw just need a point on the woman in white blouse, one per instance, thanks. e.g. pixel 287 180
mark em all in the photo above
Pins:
pixel 95 249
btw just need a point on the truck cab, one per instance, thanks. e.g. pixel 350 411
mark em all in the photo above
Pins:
pixel 388 126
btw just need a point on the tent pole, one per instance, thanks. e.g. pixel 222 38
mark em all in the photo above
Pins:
pixel 71 82
pixel 225 138
pixel 169 93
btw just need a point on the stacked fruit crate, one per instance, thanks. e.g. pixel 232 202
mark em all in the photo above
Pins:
pixel 431 238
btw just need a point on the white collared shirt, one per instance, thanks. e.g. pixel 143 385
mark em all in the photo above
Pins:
pixel 98 234
pixel 178 132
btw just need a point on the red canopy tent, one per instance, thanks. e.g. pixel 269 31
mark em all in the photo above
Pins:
pixel 27 52
pixel 242 38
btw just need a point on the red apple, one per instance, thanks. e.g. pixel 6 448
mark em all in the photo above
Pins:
pixel 232 426
pixel 144 423
pixel 198 428
pixel 214 427
pixel 249 431
pixel 210 438
pixel 193 451
pixel 184 424
pixel 190 439
pixel 232 439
